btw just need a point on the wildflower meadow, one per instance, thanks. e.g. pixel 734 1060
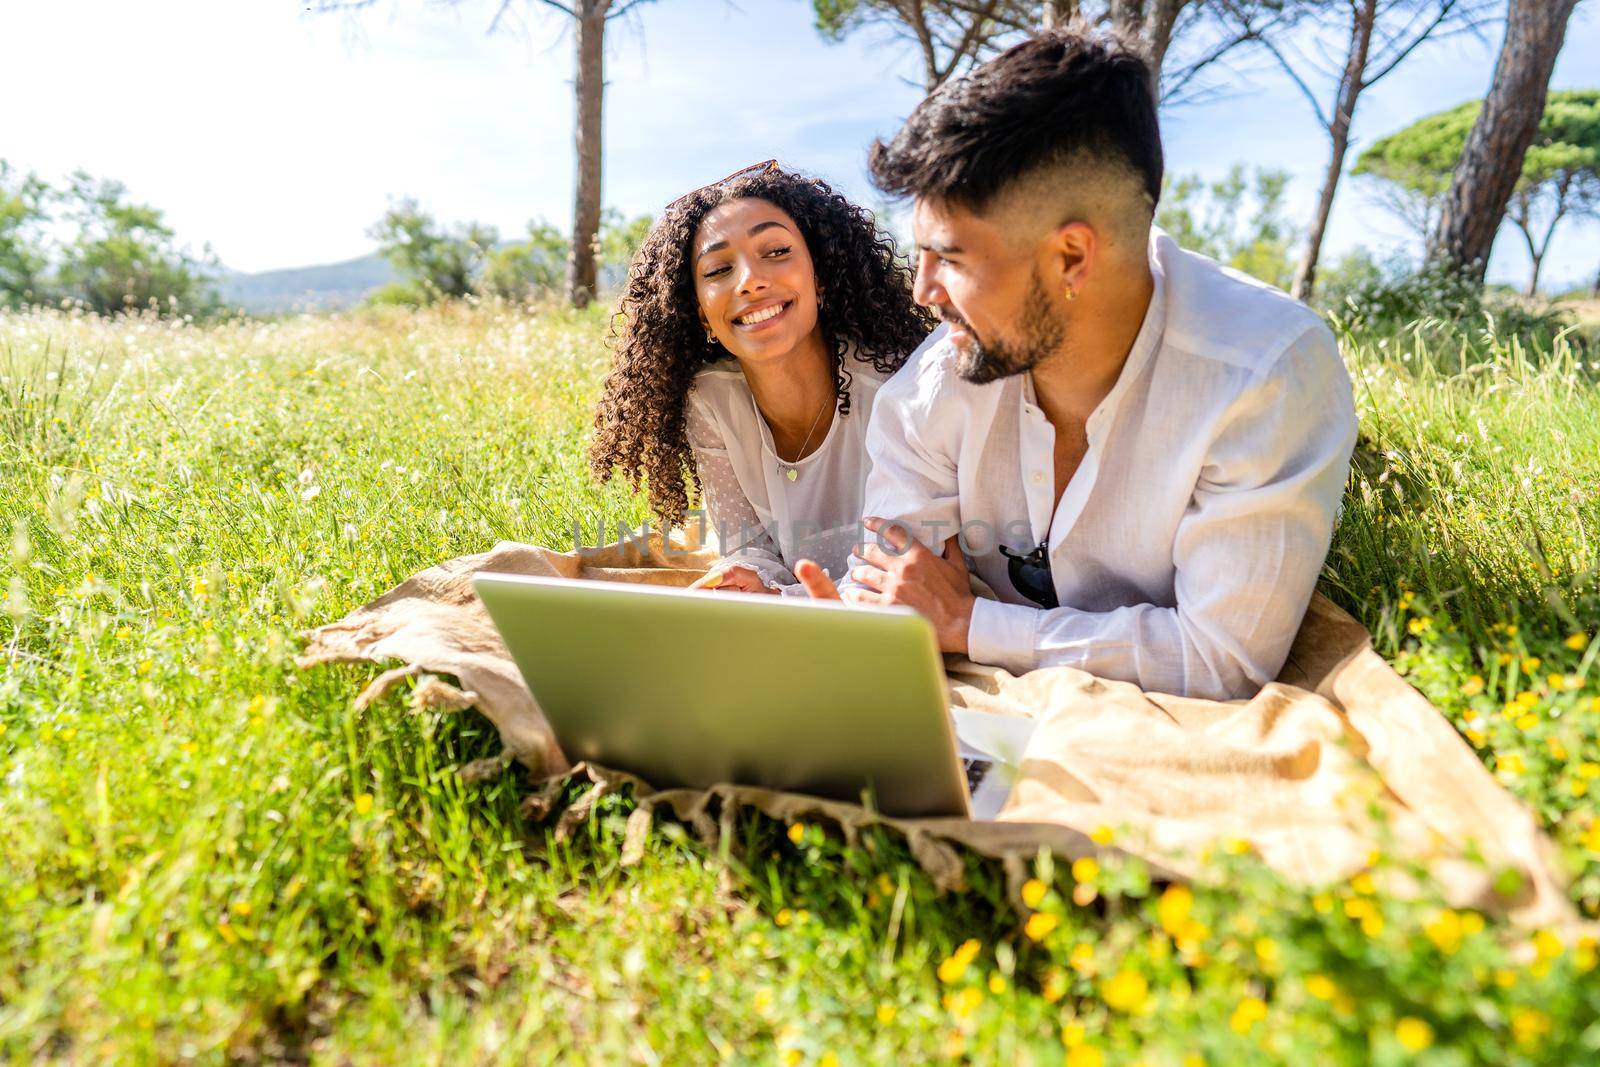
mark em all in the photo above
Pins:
pixel 208 855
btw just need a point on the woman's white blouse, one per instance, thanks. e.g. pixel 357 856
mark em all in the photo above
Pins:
pixel 763 520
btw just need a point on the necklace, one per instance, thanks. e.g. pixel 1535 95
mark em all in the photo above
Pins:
pixel 790 471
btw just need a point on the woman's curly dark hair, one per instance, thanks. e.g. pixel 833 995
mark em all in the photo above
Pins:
pixel 660 344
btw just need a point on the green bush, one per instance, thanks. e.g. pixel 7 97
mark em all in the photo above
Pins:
pixel 1394 296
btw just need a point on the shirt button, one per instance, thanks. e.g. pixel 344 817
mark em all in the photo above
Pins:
pixel 1038 477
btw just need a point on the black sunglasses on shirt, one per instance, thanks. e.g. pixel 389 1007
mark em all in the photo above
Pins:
pixel 1030 575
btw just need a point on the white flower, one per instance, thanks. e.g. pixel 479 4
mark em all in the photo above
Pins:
pixel 310 493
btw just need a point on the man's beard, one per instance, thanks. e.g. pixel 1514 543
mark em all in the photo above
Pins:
pixel 1042 334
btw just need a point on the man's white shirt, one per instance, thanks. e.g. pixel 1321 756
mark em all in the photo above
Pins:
pixel 1185 549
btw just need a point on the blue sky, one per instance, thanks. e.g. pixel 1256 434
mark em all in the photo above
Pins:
pixel 279 137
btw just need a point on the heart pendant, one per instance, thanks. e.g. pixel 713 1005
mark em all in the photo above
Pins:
pixel 792 473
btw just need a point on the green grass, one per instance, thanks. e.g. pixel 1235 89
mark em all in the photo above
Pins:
pixel 207 855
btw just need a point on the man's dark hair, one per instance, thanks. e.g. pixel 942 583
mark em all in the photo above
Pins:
pixel 1062 95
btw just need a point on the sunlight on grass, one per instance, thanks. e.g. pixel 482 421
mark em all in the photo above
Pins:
pixel 209 855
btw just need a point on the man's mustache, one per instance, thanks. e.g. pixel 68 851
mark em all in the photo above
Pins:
pixel 952 316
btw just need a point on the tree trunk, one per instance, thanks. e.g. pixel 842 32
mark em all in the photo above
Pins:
pixel 1491 163
pixel 588 88
pixel 1350 85
pixel 1156 33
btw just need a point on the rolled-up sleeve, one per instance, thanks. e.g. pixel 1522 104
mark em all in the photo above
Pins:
pixel 913 476
pixel 1247 556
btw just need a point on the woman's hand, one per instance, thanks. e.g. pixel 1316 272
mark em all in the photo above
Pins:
pixel 734 579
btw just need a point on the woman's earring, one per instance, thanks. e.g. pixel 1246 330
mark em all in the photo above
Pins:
pixel 1071 294
pixel 711 338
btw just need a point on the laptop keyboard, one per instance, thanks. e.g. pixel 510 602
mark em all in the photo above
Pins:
pixel 976 770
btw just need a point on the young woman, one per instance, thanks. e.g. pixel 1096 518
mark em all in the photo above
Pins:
pixel 761 314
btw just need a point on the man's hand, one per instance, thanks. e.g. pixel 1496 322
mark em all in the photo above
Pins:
pixel 934 585
pixel 734 579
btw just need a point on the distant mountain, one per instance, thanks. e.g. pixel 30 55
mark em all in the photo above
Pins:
pixel 333 286
pixel 323 288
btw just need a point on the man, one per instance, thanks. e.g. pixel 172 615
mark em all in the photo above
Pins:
pixel 1140 452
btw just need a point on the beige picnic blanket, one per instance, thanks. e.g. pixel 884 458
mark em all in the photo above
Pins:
pixel 1337 761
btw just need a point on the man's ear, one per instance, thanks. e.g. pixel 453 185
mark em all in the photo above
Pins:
pixel 1072 251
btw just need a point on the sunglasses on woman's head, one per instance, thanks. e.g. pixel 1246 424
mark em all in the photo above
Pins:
pixel 1030 575
pixel 754 168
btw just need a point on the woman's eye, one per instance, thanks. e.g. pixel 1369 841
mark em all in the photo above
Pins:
pixel 714 272
pixel 783 251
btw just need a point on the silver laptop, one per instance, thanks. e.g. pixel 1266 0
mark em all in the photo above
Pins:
pixel 695 688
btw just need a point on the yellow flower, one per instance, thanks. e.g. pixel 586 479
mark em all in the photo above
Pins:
pixel 1505 978
pixel 145 666
pixel 1528 1025
pixel 1547 945
pixel 1413 1034
pixel 886 1013
pixel 1578 642
pixel 1082 958
pixel 1174 908
pixel 1033 892
pixel 1510 763
pixel 124 632
pixel 1444 930
pixel 1527 698
pixel 1072 1034
pixel 763 1000
pixel 1420 625
pixel 1101 835
pixel 1558 751
pixel 1531 664
pixel 784 917
pixel 363 803
pixel 1126 992
pixel 1250 1011
pixel 1321 987
pixel 1527 721
pixel 1322 903
pixel 241 907
pixel 1039 925
pixel 1473 686
pixel 997 984
pixel 792 1057
pixel 885 886
pixel 797 832
pixel 1085 869
pixel 1589 771
pixel 1267 952
pixel 1362 883
pixel 1235 846
pixel 1591 837
pixel 955 965
pixel 1085 1056
pixel 829 1059
pixel 1372 924
pixel 964 1003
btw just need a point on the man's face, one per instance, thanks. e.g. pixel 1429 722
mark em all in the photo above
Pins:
pixel 1002 321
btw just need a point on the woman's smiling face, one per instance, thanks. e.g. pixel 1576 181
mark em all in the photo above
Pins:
pixel 754 279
